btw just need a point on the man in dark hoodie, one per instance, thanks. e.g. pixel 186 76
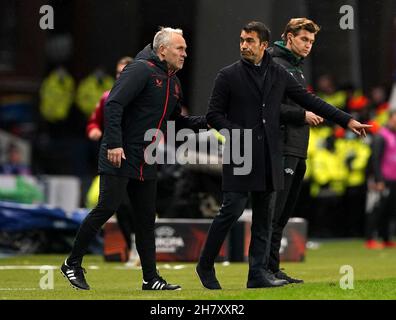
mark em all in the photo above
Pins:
pixel 297 40
pixel 144 97
pixel 248 95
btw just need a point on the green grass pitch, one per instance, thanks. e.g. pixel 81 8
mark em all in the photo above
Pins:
pixel 374 277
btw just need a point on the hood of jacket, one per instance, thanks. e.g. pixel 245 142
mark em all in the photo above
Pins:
pixel 148 54
pixel 279 50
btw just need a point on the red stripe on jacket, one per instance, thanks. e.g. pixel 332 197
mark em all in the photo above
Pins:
pixel 141 178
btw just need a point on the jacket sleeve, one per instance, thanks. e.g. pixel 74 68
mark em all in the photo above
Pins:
pixel 181 121
pixel 290 114
pixel 127 87
pixel 308 101
pixel 218 103
pixel 378 147
pixel 96 118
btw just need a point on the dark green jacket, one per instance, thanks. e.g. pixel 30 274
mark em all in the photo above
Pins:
pixel 295 131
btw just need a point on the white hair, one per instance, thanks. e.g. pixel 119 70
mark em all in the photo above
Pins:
pixel 163 37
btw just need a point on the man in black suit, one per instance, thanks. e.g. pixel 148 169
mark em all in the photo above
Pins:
pixel 248 95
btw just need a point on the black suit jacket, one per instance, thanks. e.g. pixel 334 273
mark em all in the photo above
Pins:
pixel 249 97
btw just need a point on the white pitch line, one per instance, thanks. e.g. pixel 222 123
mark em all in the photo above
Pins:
pixel 18 289
pixel 46 267
pixel 28 267
pixel 168 266
pixel 91 267
pixel 128 268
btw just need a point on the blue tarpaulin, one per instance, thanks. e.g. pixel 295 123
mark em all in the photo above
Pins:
pixel 15 217
pixel 26 228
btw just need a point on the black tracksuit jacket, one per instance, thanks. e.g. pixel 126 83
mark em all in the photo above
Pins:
pixel 144 97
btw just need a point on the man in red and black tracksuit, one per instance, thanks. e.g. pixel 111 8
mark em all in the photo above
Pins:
pixel 145 96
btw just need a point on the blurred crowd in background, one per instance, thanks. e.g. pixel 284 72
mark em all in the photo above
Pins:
pixel 43 133
pixel 334 197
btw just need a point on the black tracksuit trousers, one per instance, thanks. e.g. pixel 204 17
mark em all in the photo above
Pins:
pixel 142 195
pixel 294 170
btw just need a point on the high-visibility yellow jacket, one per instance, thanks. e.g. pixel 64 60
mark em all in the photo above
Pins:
pixel 317 136
pixel 382 117
pixel 356 154
pixel 337 99
pixel 56 96
pixel 93 193
pixel 89 92
pixel 328 170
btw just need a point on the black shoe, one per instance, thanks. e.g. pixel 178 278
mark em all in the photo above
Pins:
pixel 283 276
pixel 208 278
pixel 75 275
pixel 266 280
pixel 159 284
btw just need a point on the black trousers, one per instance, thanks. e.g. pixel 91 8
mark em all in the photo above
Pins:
pixel 294 170
pixel 142 195
pixel 381 219
pixel 126 219
pixel 234 204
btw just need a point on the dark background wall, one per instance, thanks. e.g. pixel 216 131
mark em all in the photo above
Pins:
pixel 218 28
pixel 92 33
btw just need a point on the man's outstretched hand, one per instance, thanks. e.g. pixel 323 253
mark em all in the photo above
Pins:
pixel 358 128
